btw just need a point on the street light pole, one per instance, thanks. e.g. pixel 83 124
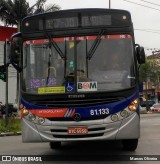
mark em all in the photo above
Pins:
pixel 6 57
pixel 109 4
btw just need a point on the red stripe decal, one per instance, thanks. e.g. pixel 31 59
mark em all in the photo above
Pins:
pixel 49 112
pixel 41 41
pixel 72 113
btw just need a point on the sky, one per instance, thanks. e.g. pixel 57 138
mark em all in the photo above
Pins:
pixel 145 16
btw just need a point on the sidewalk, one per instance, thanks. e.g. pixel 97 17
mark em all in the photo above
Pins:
pixel 10 127
pixel 2 134
pixel 149 112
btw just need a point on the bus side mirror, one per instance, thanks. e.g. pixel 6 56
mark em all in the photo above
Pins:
pixel 140 54
pixel 16 52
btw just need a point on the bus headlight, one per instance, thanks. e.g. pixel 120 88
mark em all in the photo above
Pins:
pixel 41 120
pixel 114 117
pixel 31 117
pixel 124 113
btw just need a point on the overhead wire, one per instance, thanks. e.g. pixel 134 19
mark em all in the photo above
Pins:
pixel 142 5
pixel 147 30
pixel 150 3
pixel 156 30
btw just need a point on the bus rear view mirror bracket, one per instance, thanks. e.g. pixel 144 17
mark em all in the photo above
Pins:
pixel 16 52
pixel 140 53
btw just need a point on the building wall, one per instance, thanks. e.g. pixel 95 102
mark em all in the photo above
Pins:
pixel 11 80
pixel 6 32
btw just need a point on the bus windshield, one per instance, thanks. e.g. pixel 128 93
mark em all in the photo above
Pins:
pixel 110 68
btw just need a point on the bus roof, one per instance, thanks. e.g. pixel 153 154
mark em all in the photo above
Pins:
pixel 76 19
pixel 80 10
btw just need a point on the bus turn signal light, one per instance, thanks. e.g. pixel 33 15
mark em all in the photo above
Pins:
pixel 25 112
pixel 133 106
pixel 135 101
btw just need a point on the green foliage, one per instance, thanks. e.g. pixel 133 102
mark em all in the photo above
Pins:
pixel 13 11
pixel 144 71
pixel 150 71
pixel 14 125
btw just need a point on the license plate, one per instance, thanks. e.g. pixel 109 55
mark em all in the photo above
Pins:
pixel 77 130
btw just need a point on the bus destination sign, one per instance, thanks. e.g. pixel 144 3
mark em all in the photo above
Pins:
pixel 86 21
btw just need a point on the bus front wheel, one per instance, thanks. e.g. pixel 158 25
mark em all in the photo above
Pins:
pixel 130 144
pixel 55 145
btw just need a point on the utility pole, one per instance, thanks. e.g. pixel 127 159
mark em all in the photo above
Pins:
pixel 6 63
pixel 155 67
pixel 109 4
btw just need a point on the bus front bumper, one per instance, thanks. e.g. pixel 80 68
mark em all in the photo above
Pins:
pixel 127 128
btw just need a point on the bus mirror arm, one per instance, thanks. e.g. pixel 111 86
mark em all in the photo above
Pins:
pixel 18 68
pixel 140 54
pixel 16 52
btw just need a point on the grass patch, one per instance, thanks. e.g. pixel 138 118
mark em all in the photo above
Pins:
pixel 14 125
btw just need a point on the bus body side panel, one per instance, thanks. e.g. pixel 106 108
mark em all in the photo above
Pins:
pixel 130 128
pixel 30 132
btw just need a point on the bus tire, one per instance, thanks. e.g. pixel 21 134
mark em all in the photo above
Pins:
pixel 55 145
pixel 130 144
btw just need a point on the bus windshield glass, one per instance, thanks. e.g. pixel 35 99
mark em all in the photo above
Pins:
pixel 110 68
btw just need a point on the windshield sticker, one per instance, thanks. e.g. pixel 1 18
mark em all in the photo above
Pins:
pixel 46 90
pixel 71 44
pixel 86 86
pixel 69 87
pixel 36 83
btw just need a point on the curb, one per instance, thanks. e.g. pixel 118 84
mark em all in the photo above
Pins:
pixel 9 134
pixel 151 112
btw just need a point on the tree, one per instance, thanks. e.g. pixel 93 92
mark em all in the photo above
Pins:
pixel 144 71
pixel 13 11
pixel 150 71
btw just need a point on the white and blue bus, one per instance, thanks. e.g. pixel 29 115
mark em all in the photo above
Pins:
pixel 78 77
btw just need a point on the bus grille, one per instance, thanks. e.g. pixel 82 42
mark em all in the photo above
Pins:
pixel 78 136
pixel 89 130
pixel 82 119
pixel 75 103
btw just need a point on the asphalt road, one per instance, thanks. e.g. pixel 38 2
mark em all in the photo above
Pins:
pixel 90 152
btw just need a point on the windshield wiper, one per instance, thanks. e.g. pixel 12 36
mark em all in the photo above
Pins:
pixel 95 45
pixel 49 64
pixel 54 44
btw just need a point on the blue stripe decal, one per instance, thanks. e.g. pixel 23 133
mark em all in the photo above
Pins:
pixel 86 111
